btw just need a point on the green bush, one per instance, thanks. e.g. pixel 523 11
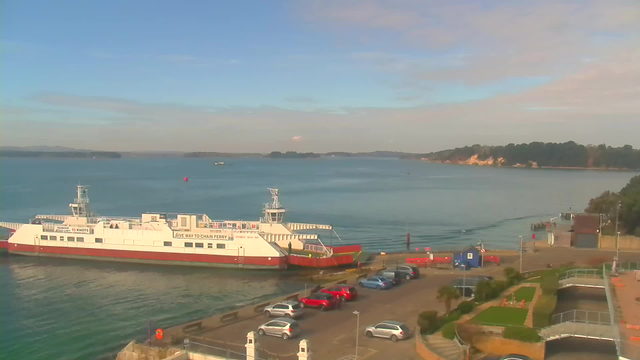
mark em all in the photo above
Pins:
pixel 449 331
pixel 513 276
pixel 549 283
pixel 466 307
pixel 519 333
pixel 543 309
pixel 428 321
pixel 482 291
pixel 498 286
pixel 453 316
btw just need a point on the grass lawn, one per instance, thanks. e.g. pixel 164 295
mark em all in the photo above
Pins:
pixel 535 280
pixel 497 315
pixel 525 293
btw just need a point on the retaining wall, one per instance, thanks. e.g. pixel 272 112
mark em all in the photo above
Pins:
pixel 423 350
pixel 501 346
pixel 626 242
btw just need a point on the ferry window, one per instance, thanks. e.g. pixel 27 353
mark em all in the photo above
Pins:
pixel 220 246
pixel 61 238
pixel 43 237
pixel 167 243
pixel 188 244
pixel 183 221
pixel 163 216
pixel 210 246
pixel 53 238
pixel 199 245
pixel 80 239
pixel 71 238
pixel 154 218
pixel 99 240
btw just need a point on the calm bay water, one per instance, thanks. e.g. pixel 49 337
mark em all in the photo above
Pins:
pixel 63 309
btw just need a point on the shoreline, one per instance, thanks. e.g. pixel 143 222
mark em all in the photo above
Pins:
pixel 530 167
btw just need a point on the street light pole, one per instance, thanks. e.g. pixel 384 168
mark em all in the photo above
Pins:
pixel 617 232
pixel 464 282
pixel 520 254
pixel 357 313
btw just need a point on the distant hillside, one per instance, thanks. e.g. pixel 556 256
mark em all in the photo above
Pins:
pixel 222 155
pixel 385 154
pixel 291 155
pixel 42 148
pixel 60 154
pixel 538 154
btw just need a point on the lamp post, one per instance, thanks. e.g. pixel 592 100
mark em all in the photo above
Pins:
pixel 617 232
pixel 464 281
pixel 357 313
pixel 520 254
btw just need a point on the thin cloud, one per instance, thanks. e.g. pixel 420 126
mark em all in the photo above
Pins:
pixel 301 99
pixel 296 138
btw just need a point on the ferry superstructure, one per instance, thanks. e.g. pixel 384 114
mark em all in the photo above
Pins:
pixel 164 238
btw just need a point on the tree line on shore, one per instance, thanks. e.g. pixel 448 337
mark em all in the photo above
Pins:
pixel 568 154
pixel 628 201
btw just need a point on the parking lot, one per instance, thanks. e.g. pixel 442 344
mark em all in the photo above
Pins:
pixel 332 334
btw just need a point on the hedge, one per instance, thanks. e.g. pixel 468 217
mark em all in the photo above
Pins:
pixel 428 321
pixel 543 309
pixel 549 283
pixel 466 307
pixel 449 331
pixel 453 316
pixel 519 333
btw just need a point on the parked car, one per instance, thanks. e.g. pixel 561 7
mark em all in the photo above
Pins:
pixel 409 272
pixel 346 292
pixel 280 327
pixel 376 282
pixel 291 309
pixel 389 329
pixel 394 276
pixel 320 300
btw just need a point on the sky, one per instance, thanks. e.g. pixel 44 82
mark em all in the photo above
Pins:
pixel 261 76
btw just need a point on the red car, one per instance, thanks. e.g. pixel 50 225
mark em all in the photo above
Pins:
pixel 320 300
pixel 346 292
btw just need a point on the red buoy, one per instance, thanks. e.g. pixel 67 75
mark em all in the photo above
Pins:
pixel 186 179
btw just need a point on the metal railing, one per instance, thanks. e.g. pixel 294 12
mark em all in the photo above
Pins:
pixel 581 273
pixel 206 349
pixel 582 316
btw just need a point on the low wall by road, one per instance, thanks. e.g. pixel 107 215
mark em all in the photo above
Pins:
pixel 501 346
pixel 626 242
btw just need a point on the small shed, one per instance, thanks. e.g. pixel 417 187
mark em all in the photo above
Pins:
pixel 470 257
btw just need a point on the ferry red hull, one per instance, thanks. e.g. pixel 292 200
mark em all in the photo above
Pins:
pixel 249 262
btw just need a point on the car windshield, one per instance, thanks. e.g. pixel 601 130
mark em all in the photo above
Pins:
pixel 293 325
pixel 404 328
pixel 296 306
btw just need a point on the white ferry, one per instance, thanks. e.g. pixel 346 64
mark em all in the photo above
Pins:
pixel 163 238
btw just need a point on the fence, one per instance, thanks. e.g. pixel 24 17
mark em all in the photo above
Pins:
pixel 581 273
pixel 612 309
pixel 582 316
pixel 206 349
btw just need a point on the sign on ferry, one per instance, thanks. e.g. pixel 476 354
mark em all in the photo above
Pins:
pixel 72 229
pixel 188 235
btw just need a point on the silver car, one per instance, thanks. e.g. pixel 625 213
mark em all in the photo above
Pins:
pixel 291 309
pixel 280 327
pixel 389 329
